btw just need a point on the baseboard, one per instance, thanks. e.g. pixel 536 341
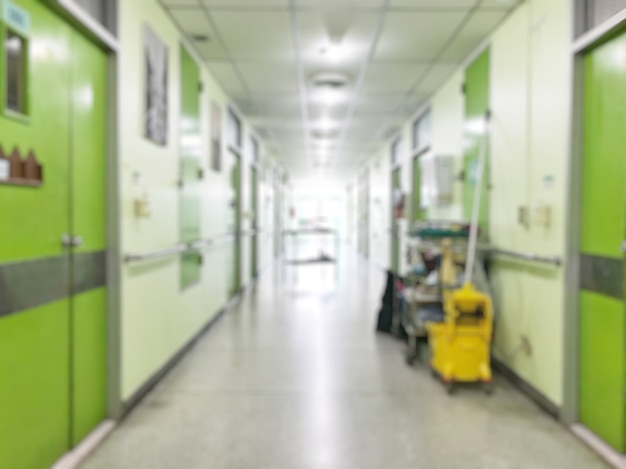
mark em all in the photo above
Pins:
pixel 75 457
pixel 537 396
pixel 156 378
pixel 615 459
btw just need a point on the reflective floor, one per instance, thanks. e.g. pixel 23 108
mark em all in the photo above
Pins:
pixel 295 378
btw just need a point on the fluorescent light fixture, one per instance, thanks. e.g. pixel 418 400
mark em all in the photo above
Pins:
pixel 333 52
pixel 325 124
pixel 330 96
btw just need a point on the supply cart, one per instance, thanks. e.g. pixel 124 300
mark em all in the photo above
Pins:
pixel 436 253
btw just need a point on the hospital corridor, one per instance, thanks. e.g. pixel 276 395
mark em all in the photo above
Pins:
pixel 312 234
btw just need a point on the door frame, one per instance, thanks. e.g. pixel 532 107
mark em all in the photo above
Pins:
pixel 254 228
pixel 106 37
pixel 395 232
pixel 238 235
pixel 582 43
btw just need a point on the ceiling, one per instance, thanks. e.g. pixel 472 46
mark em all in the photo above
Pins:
pixel 394 54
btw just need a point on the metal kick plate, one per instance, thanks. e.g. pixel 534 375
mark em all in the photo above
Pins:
pixel 603 275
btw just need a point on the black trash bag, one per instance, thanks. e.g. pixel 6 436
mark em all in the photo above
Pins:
pixel 385 315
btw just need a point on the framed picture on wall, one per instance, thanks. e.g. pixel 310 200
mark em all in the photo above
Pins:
pixel 156 81
pixel 216 137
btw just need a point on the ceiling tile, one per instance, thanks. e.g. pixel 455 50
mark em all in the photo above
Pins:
pixel 257 35
pixel 270 78
pixel 226 76
pixel 180 3
pixel 434 3
pixel 480 25
pixel 392 78
pixel 257 4
pixel 417 36
pixel 193 21
pixel 437 75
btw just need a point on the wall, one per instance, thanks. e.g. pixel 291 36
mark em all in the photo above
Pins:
pixel 530 101
pixel 155 327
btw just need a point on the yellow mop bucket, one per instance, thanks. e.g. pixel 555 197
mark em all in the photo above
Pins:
pixel 460 346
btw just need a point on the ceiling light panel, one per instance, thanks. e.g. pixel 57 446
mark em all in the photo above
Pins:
pixel 417 36
pixel 353 44
pixel 258 36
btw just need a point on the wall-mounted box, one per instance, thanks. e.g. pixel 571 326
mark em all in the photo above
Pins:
pixel 437 180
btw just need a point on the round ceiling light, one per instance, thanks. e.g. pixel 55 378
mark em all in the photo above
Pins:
pixel 330 88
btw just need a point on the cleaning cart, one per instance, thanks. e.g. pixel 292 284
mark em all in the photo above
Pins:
pixel 461 344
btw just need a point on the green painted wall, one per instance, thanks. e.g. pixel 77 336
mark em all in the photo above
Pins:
pixel 476 107
pixel 155 327
pixel 254 194
pixel 34 397
pixel 529 94
pixel 603 228
pixel 53 357
pixel 88 219
pixel 190 167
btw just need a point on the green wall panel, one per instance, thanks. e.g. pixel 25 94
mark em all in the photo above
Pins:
pixel 476 107
pixel 34 384
pixel 89 144
pixel 89 362
pixel 395 234
pixel 254 194
pixel 604 169
pixel 416 211
pixel 41 214
pixel 602 367
pixel 190 151
pixel 53 357
pixel 602 400
pixel 235 179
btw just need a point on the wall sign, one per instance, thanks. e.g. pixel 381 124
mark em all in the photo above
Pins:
pixel 16 18
pixel 156 83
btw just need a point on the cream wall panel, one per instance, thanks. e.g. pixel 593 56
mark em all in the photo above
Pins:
pixel 156 326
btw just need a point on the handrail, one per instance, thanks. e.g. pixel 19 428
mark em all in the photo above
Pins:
pixel 552 260
pixel 178 249
pixel 156 254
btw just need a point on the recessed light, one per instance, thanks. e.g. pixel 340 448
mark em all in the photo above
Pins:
pixel 200 37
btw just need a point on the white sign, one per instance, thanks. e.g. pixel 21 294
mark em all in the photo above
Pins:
pixel 16 18
pixel 5 170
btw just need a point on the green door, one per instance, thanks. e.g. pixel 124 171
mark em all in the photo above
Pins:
pixel 235 180
pixel 254 248
pixel 52 245
pixel 476 107
pixel 602 338
pixel 417 213
pixel 395 226
pixel 88 225
pixel 190 168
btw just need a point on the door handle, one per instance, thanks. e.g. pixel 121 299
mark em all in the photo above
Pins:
pixel 69 241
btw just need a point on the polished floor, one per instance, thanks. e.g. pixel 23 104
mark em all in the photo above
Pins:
pixel 295 378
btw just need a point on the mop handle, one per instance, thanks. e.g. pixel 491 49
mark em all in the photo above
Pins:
pixel 473 237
